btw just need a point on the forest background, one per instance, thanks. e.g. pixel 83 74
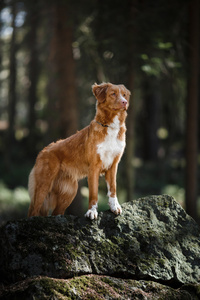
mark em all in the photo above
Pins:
pixel 51 52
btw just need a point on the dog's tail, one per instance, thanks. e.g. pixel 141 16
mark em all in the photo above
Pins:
pixel 41 180
pixel 31 191
pixel 40 203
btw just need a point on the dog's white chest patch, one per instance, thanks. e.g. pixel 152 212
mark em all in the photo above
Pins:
pixel 112 145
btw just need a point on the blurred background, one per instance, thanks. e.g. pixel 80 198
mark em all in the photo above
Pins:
pixel 51 52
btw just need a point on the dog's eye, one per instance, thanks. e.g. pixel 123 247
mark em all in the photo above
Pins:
pixel 124 95
pixel 113 94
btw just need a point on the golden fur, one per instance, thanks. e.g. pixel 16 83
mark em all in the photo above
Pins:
pixel 53 181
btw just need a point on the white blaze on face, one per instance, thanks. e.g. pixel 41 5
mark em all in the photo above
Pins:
pixel 111 146
pixel 122 98
pixel 123 101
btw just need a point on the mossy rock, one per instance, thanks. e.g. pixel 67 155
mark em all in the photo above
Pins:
pixel 153 239
pixel 93 287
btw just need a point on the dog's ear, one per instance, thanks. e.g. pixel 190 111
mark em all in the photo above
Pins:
pixel 99 91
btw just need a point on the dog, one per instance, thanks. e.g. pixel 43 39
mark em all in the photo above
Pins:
pixel 93 151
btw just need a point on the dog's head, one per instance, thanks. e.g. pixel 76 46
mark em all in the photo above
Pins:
pixel 115 97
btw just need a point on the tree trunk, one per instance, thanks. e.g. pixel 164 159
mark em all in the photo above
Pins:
pixel 62 89
pixel 192 111
pixel 132 12
pixel 151 119
pixel 12 90
pixel 33 76
pixel 63 108
pixel 130 142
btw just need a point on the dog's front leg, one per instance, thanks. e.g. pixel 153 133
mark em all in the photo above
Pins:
pixel 110 176
pixel 93 181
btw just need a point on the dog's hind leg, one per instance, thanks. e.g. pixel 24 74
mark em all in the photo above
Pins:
pixel 46 206
pixel 65 190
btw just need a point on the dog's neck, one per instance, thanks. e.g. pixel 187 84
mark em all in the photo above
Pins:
pixel 103 125
pixel 105 117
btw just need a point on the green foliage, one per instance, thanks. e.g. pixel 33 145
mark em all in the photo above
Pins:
pixel 13 203
pixel 19 195
pixel 175 191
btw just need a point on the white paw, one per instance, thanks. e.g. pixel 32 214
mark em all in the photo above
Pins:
pixel 92 213
pixel 115 207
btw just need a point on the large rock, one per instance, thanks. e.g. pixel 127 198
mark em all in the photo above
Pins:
pixel 153 239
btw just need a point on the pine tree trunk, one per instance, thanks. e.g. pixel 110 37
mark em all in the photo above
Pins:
pixel 33 77
pixel 129 153
pixel 11 91
pixel 62 89
pixel 151 112
pixel 63 108
pixel 192 111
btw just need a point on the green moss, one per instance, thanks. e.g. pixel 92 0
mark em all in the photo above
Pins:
pixel 108 254
pixel 117 286
pixel 164 202
pixel 146 264
pixel 70 289
pixel 161 262
pixel 94 287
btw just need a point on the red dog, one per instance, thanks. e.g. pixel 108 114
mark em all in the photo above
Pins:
pixel 95 150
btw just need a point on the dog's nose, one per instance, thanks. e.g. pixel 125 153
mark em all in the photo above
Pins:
pixel 124 102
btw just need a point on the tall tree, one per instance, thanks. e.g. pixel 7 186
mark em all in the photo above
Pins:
pixel 151 111
pixel 33 19
pixel 12 86
pixel 62 82
pixel 1 23
pixel 132 33
pixel 192 110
